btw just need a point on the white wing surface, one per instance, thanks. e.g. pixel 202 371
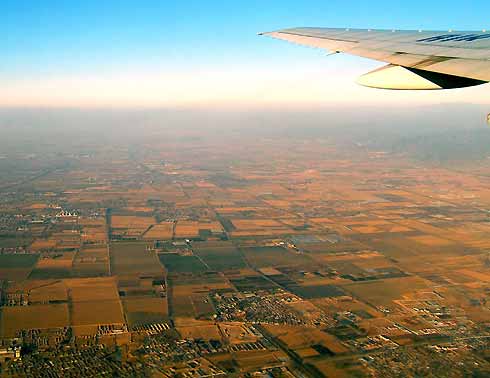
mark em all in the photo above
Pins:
pixel 416 59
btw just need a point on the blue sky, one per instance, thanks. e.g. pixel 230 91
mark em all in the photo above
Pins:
pixel 113 46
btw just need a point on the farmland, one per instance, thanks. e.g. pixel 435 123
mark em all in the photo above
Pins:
pixel 134 258
pixel 176 263
pixel 196 253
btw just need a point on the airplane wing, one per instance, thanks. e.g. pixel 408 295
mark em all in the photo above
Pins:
pixel 416 59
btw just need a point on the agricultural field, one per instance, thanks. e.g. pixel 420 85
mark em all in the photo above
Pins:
pixel 273 254
pixel 130 226
pixel 145 310
pixel 219 256
pixel 175 263
pixel 43 245
pixel 188 229
pixel 384 292
pixel 261 257
pixel 317 291
pixel 45 291
pixel 94 301
pixel 57 265
pixel 12 242
pixel 91 261
pixel 160 231
pixel 200 330
pixel 190 298
pixel 17 267
pixel 18 318
pixel 96 313
pixel 300 339
pixel 18 261
pixel 134 258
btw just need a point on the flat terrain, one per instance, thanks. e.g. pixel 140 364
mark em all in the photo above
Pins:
pixel 134 258
pixel 287 252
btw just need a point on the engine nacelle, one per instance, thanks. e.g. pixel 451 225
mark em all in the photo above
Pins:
pixel 407 78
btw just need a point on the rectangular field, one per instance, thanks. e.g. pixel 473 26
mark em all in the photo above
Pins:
pixel 91 261
pixel 175 263
pixel 18 318
pixel 161 231
pixel 219 255
pixel 261 257
pixel 17 267
pixel 134 258
pixel 145 310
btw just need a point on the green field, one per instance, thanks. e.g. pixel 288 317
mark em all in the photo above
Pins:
pixel 17 261
pixel 181 264
pixel 12 242
pixel 220 257
pixel 43 274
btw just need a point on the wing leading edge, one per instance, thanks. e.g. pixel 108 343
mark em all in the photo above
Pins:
pixel 416 59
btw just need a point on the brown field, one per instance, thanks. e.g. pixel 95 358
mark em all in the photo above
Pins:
pixel 134 258
pixel 191 300
pixel 333 305
pixel 202 330
pixel 85 330
pixel 254 224
pixel 306 352
pixel 37 206
pixel 182 307
pixel 237 333
pixel 131 221
pixel 92 289
pixel 251 360
pixel 233 210
pixel 279 203
pixel 91 261
pixel 145 310
pixel 372 262
pixel 94 235
pixel 295 337
pixel 322 220
pixel 264 232
pixel 189 229
pixel 366 229
pixel 428 229
pixel 359 258
pixel 372 223
pixel 161 231
pixel 432 241
pixel 237 273
pixel 262 257
pixel 42 244
pixel 15 319
pixel 383 292
pixel 481 277
pixel 138 209
pixel 329 368
pixel 48 291
pixel 91 222
pixel 63 262
pixel 96 312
